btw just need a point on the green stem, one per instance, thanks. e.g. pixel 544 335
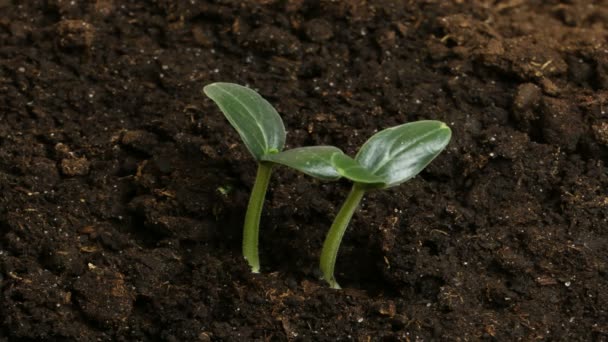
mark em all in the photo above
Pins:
pixel 329 253
pixel 251 228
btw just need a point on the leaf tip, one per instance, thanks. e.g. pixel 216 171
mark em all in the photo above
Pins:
pixel 207 88
pixel 446 129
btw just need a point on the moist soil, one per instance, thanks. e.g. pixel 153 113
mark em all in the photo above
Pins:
pixel 123 188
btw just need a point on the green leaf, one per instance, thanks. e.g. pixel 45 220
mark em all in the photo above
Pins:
pixel 324 162
pixel 349 168
pixel 315 161
pixel 399 153
pixel 255 120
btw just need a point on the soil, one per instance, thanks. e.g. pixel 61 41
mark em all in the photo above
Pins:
pixel 123 188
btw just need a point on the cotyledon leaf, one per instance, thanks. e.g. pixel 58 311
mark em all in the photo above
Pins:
pixel 315 161
pixel 349 168
pixel 399 153
pixel 324 162
pixel 254 118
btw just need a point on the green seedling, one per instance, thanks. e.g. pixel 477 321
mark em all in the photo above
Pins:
pixel 387 159
pixel 262 130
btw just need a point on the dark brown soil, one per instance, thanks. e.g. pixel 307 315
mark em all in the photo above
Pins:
pixel 123 188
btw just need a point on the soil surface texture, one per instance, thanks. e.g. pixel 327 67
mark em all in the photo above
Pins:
pixel 123 188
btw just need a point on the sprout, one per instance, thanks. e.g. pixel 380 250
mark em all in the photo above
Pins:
pixel 262 130
pixel 387 159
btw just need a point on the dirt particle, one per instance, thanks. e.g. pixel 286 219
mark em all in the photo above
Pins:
pixel 104 7
pixel 386 308
pixel 545 280
pixel 561 123
pixel 208 151
pixel 386 39
pixel 140 140
pixel 600 131
pixel 204 337
pixel 549 87
pixel 450 298
pixel 75 166
pixel 528 96
pixel 319 30
pixel 75 34
pixel 202 37
pixel 62 150
pixel 526 58
pixel 494 47
pixel 402 28
pixel 525 102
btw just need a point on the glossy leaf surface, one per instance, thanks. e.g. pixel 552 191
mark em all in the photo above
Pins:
pixel 255 119
pixel 349 168
pixel 399 153
pixel 315 161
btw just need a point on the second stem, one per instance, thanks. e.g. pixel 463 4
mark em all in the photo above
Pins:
pixel 329 253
